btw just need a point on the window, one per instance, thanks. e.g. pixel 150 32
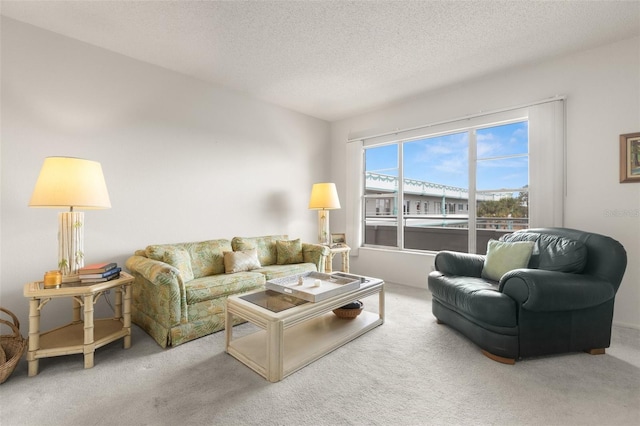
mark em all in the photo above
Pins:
pixel 436 170
pixel 382 184
pixel 460 183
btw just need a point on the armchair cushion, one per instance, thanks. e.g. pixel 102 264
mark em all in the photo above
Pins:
pixel 553 252
pixel 475 297
pixel 503 257
pixel 289 251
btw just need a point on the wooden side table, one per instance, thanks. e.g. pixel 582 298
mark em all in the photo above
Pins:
pixel 79 336
pixel 344 250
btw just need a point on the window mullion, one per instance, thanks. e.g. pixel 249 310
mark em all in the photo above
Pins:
pixel 400 195
pixel 472 191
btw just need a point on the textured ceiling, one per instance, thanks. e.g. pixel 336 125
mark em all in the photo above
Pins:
pixel 335 59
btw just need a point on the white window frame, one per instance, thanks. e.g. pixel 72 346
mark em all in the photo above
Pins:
pixel 546 162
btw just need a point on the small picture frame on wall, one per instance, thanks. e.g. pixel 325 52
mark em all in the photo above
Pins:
pixel 338 240
pixel 630 157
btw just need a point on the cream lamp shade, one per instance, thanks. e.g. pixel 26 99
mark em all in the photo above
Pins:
pixel 70 182
pixel 324 197
pixel 77 184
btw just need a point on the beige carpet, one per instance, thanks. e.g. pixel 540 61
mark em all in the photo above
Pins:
pixel 409 371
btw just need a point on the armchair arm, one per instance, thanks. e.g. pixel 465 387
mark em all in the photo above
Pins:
pixel 315 253
pixel 539 290
pixel 161 290
pixel 457 263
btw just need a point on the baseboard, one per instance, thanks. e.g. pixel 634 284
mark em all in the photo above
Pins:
pixel 626 325
pixel 408 284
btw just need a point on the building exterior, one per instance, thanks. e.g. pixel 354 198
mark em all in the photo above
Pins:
pixel 435 216
pixel 420 197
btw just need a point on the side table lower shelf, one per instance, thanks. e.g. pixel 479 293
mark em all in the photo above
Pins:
pixel 69 339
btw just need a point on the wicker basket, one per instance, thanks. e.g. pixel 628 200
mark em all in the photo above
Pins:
pixel 349 311
pixel 11 345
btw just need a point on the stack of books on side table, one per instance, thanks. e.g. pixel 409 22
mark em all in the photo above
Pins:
pixel 99 272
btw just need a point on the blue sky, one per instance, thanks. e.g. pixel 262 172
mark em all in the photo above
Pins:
pixel 444 159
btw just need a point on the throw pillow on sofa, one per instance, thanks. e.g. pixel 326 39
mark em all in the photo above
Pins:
pixel 240 261
pixel 289 251
pixel 266 246
pixel 504 257
pixel 179 258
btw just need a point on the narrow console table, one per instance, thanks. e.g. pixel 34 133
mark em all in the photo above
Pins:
pixel 82 336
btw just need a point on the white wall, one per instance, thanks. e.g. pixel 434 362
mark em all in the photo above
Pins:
pixel 183 160
pixel 603 101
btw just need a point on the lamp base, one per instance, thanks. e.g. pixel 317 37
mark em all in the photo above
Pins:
pixel 323 227
pixel 70 244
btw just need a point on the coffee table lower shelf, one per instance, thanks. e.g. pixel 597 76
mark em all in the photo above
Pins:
pixel 303 343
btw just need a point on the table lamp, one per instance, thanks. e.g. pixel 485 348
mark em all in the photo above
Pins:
pixel 324 197
pixel 77 184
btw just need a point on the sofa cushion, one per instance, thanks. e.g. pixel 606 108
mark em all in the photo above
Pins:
pixel 552 252
pixel 179 258
pixel 239 261
pixel 289 251
pixel 207 257
pixel 278 271
pixel 156 252
pixel 503 257
pixel 475 298
pixel 266 246
pixel 211 287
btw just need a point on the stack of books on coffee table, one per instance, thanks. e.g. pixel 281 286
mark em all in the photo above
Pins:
pixel 99 272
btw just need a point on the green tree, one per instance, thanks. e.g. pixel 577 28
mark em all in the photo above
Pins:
pixel 505 207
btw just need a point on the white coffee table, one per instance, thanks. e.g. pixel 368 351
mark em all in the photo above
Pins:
pixel 299 334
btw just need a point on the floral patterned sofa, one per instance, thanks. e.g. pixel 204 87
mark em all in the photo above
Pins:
pixel 180 290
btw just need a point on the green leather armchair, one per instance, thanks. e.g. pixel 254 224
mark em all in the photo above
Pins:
pixel 561 302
